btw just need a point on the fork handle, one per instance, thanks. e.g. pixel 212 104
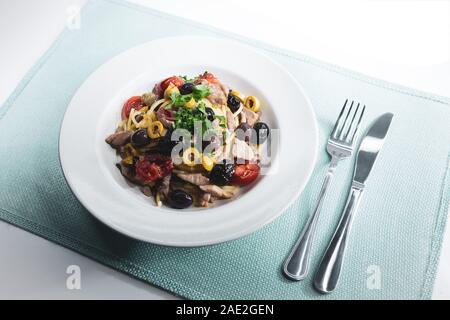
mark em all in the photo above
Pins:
pixel 296 265
pixel 329 269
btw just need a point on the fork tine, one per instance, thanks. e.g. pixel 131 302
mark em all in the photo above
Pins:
pixel 357 125
pixel 334 133
pixel 341 135
pixel 350 126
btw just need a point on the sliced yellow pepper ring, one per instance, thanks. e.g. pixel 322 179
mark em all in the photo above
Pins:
pixel 207 163
pixel 145 122
pixel 190 104
pixel 191 157
pixel 252 103
pixel 155 130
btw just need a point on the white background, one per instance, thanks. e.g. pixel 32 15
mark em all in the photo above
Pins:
pixel 407 42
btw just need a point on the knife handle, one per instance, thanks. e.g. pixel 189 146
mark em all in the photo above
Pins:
pixel 329 269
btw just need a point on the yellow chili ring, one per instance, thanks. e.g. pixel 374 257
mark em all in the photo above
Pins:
pixel 145 122
pixel 207 163
pixel 155 130
pixel 191 157
pixel 252 103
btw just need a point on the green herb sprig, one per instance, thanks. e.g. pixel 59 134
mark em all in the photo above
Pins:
pixel 198 93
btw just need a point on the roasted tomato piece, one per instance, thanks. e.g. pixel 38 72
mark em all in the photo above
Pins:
pixel 150 168
pixel 245 174
pixel 176 81
pixel 132 103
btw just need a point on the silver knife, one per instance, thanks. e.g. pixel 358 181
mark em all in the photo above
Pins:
pixel 329 270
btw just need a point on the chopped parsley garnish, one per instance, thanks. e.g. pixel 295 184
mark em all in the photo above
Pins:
pixel 198 93
pixel 186 118
pixel 179 100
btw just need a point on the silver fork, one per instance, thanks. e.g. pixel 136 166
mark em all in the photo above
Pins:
pixel 339 146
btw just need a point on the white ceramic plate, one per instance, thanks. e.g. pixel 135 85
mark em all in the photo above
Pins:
pixel 89 163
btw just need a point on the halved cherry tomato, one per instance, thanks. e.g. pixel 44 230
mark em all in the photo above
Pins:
pixel 245 174
pixel 132 103
pixel 209 77
pixel 153 167
pixel 176 81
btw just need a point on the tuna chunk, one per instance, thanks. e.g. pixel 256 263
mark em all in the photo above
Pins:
pixel 231 125
pixel 218 91
pixel 250 116
pixel 217 191
pixel 119 139
pixel 195 178
pixel 205 199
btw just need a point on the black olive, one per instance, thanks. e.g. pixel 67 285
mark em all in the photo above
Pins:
pixel 179 199
pixel 262 132
pixel 187 88
pixel 233 103
pixel 140 138
pixel 222 173
pixel 210 113
pixel 165 143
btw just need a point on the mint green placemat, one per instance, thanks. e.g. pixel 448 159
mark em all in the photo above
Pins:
pixel 397 233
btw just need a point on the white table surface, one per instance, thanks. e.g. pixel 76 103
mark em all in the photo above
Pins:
pixel 407 42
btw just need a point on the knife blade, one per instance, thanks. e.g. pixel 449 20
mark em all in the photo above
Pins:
pixel 370 147
pixel 329 270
